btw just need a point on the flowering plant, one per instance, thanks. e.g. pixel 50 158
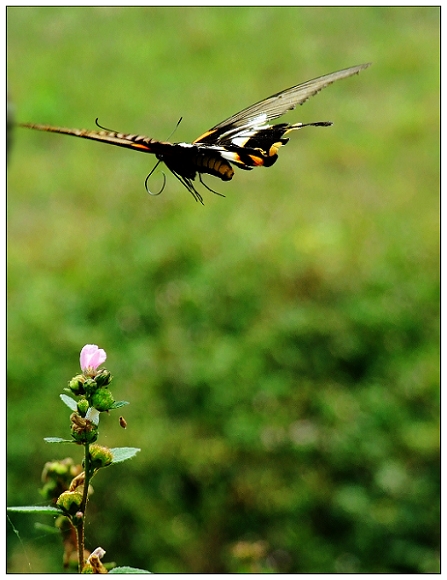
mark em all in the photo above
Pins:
pixel 67 485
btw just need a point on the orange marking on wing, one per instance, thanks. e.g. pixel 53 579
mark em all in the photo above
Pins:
pixel 257 160
pixel 204 136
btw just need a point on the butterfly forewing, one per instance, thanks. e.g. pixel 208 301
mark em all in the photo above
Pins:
pixel 276 105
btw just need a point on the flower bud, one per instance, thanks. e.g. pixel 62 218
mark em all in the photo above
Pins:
pixel 91 358
pixel 83 430
pixel 103 378
pixel 76 385
pixel 100 456
pixel 70 501
pixel 102 400
pixel 77 518
pixel 90 386
pixel 86 437
pixel 83 407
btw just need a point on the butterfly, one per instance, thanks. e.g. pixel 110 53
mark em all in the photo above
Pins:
pixel 245 140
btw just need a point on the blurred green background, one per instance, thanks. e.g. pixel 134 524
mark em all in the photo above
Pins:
pixel 279 347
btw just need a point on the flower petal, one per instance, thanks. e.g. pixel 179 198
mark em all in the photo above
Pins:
pixel 97 358
pixel 86 354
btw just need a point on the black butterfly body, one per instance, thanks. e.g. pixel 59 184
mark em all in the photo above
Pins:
pixel 245 140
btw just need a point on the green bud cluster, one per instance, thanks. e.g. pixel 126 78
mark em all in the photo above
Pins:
pixel 94 388
pixel 56 477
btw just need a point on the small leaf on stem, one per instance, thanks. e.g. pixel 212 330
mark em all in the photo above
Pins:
pixel 123 453
pixel 41 509
pixel 71 403
pixel 118 404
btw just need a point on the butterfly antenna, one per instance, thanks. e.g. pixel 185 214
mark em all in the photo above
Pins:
pixel 104 128
pixel 175 128
pixel 147 178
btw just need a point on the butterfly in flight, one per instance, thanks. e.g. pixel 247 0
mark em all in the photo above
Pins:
pixel 245 140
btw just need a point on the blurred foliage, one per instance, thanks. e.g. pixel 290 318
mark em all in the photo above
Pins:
pixel 280 347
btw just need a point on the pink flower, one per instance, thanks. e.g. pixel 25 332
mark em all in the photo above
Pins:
pixel 91 357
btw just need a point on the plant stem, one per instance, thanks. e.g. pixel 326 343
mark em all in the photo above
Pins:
pixel 80 538
pixel 83 508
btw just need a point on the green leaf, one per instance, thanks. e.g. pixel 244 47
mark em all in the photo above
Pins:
pixel 57 440
pixel 128 570
pixel 123 453
pixel 118 404
pixel 71 403
pixel 40 509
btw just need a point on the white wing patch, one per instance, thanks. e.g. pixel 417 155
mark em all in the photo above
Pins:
pixel 242 136
pixel 230 156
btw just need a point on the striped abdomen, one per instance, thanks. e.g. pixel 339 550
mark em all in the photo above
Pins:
pixel 213 164
pixel 188 160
